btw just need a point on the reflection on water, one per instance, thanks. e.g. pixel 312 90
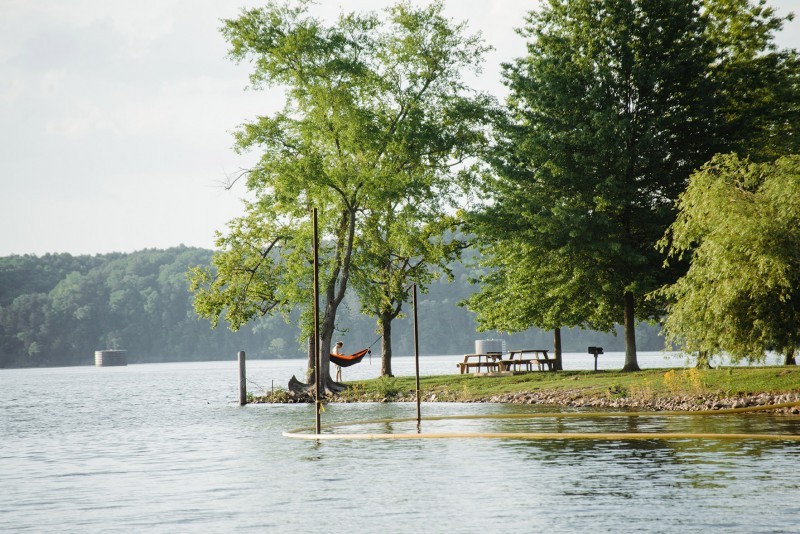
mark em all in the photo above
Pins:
pixel 165 447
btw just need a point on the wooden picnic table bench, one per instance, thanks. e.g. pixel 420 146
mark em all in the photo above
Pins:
pixel 517 359
pixel 494 362
pixel 491 361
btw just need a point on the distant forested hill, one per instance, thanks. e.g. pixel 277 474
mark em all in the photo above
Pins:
pixel 58 309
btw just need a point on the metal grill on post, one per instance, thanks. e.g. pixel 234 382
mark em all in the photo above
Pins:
pixel 595 351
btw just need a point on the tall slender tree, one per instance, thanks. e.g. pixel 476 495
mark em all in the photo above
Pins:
pixel 371 102
pixel 402 247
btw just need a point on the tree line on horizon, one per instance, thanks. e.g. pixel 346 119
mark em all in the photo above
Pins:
pixel 57 309
pixel 586 192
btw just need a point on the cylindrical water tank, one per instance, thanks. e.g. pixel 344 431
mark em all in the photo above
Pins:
pixel 486 346
pixel 105 358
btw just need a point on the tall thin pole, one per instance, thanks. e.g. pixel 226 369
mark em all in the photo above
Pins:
pixel 242 379
pixel 416 355
pixel 316 323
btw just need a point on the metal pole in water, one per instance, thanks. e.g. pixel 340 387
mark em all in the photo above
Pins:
pixel 317 378
pixel 416 355
pixel 242 380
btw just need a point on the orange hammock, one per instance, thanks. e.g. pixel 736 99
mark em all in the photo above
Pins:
pixel 346 360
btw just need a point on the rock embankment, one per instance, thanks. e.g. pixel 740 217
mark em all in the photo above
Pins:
pixel 578 399
pixel 707 402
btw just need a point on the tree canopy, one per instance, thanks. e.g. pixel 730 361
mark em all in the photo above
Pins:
pixel 740 221
pixel 609 113
pixel 412 245
pixel 376 118
pixel 757 85
pixel 613 107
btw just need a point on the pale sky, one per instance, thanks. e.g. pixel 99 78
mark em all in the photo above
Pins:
pixel 115 116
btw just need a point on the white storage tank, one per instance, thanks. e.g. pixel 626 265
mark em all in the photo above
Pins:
pixel 487 346
pixel 106 358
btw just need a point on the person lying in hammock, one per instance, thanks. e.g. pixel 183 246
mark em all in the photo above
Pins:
pixel 345 360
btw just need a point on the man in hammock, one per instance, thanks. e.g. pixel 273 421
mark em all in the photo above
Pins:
pixel 337 349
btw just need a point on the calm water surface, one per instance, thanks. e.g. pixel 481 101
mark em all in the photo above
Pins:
pixel 165 448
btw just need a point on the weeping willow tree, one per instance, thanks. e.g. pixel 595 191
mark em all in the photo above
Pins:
pixel 740 223
pixel 375 114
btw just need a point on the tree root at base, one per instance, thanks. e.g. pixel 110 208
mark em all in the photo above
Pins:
pixel 308 391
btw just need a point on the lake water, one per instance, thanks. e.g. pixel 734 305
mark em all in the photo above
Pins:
pixel 166 448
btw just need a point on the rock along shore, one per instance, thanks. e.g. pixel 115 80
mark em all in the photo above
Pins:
pixel 577 399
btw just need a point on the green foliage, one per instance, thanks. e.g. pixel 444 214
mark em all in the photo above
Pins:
pixel 740 221
pixel 608 114
pixel 21 275
pixel 246 280
pixel 374 121
pixel 686 381
pixel 757 86
pixel 387 387
pixel 139 302
pixel 136 302
pixel 614 106
pixel 521 287
pixel 413 246
pixel 355 392
pixel 617 392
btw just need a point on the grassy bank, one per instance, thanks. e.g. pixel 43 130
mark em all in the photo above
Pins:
pixel 646 385
pixel 651 389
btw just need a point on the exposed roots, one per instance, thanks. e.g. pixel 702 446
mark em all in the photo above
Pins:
pixel 308 391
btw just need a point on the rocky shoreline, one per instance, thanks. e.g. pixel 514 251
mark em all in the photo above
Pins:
pixel 708 402
pixel 576 399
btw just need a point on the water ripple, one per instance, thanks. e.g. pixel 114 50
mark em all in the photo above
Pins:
pixel 164 448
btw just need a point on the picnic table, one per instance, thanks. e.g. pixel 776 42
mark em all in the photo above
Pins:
pixel 517 358
pixel 490 361
pixel 517 361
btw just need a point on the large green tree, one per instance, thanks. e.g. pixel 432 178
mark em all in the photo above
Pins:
pixel 740 221
pixel 615 104
pixel 609 112
pixel 374 111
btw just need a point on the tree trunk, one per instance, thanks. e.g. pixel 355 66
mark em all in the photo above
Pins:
pixel 310 371
pixel 386 345
pixel 703 362
pixel 334 292
pixel 557 349
pixel 329 385
pixel 630 334
pixel 790 359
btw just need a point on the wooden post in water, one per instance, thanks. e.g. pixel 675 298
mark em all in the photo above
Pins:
pixel 317 365
pixel 416 356
pixel 242 380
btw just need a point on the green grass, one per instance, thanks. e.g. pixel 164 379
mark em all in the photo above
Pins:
pixel 653 383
